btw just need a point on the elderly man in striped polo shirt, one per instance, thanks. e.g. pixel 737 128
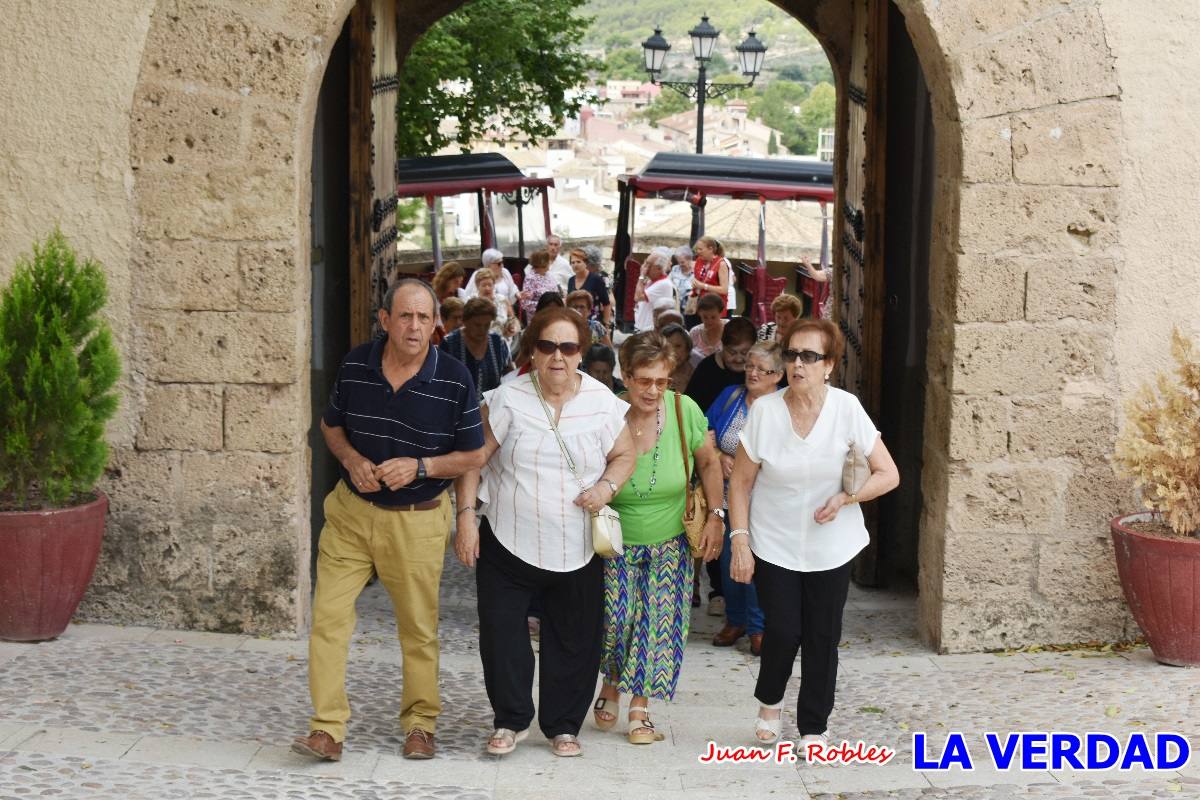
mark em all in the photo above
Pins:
pixel 403 421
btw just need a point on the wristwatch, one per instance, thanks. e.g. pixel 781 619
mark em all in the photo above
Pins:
pixel 719 512
pixel 421 474
pixel 612 487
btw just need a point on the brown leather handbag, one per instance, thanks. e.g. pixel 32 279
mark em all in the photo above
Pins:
pixel 695 509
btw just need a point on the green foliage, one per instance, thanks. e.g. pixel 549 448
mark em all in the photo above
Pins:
pixel 734 18
pixel 818 71
pixel 626 64
pixel 818 110
pixel 772 145
pixel 408 214
pixel 668 103
pixel 58 367
pixel 493 66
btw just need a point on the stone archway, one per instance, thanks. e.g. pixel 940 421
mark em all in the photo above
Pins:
pixel 210 529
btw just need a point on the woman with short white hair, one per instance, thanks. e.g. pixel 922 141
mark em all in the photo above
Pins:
pixel 654 292
pixel 506 288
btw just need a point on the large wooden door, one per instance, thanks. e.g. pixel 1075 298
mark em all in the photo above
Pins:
pixel 860 290
pixel 373 87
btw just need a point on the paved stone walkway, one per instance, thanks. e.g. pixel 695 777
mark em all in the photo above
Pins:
pixel 135 713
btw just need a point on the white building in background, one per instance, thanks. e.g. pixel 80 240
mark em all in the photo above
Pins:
pixel 728 131
pixel 825 144
pixel 578 219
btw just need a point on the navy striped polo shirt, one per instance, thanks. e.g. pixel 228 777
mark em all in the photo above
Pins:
pixel 434 413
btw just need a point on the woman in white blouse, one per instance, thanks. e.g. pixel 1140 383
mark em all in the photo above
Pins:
pixel 654 292
pixel 795 531
pixel 535 538
pixel 493 261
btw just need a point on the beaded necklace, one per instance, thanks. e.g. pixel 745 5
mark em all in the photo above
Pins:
pixel 654 459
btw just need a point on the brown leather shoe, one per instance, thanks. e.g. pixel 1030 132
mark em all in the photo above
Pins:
pixel 418 744
pixel 319 745
pixel 728 635
pixel 756 644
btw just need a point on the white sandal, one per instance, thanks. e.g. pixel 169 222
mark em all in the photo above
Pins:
pixel 508 740
pixel 642 731
pixel 771 727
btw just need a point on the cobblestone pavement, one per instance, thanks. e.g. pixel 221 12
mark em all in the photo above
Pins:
pixel 136 713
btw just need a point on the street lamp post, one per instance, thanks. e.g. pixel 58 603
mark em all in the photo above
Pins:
pixel 704 37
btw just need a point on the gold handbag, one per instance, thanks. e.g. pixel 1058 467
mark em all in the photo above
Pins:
pixel 607 541
pixel 855 470
pixel 695 508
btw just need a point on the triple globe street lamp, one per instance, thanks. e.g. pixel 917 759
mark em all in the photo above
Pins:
pixel 751 53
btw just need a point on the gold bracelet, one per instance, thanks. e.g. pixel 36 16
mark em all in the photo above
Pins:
pixel 853 498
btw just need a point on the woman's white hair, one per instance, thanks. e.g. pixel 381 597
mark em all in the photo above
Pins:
pixel 655 257
pixel 491 256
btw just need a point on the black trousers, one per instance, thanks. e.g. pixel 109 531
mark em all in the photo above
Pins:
pixel 801 610
pixel 571 636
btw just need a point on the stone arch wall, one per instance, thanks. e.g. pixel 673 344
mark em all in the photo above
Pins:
pixel 210 522
pixel 210 498
pixel 1023 280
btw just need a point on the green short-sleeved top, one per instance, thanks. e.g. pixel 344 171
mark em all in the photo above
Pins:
pixel 658 515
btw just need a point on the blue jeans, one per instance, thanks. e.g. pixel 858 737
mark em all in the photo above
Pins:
pixel 741 599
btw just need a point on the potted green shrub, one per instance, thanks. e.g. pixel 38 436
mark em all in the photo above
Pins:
pixel 58 369
pixel 1158 552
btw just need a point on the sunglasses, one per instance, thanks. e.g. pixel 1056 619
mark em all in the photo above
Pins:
pixel 645 383
pixel 547 347
pixel 807 356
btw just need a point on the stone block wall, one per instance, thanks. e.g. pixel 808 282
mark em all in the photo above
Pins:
pixel 1030 399
pixel 209 524
pixel 1061 253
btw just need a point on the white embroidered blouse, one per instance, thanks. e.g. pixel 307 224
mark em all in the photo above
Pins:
pixel 527 488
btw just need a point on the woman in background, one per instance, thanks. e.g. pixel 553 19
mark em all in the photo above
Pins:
pixel 726 418
pixel 482 350
pixel 448 281
pixel 712 271
pixel 654 292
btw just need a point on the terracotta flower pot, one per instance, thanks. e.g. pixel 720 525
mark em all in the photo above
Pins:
pixel 46 563
pixel 1161 580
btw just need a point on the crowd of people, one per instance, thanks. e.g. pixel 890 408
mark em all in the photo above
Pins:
pixel 516 395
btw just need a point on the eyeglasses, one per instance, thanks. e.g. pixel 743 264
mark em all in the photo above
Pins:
pixel 645 383
pixel 807 356
pixel 547 347
pixel 760 370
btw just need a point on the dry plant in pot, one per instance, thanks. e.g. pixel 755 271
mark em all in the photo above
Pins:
pixel 1158 552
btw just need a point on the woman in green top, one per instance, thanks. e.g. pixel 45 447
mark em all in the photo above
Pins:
pixel 648 589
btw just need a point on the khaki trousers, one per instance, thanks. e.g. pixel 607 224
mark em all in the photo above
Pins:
pixel 406 549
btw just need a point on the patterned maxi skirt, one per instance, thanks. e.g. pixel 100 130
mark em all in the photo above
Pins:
pixel 647 610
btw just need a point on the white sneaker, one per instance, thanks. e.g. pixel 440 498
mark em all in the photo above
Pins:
pixel 716 606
